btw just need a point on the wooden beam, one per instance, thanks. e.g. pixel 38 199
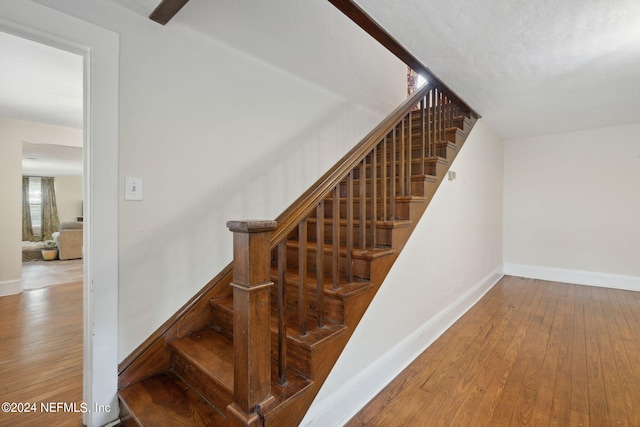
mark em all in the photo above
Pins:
pixel 166 10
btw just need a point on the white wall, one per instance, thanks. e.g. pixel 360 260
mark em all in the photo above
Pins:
pixel 11 211
pixel 68 197
pixel 458 241
pixel 218 134
pixel 572 207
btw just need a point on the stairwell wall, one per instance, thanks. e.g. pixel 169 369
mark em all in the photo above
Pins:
pixel 218 132
pixel 572 207
pixel 452 258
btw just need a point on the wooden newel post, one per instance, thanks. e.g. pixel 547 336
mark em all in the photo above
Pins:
pixel 251 321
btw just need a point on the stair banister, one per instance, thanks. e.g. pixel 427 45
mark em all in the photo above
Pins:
pixel 251 319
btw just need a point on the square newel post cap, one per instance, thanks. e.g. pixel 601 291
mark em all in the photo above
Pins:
pixel 251 226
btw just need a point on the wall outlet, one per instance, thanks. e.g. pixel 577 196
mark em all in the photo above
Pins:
pixel 456 286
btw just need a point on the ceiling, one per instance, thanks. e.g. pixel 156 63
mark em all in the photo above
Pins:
pixel 39 83
pixel 42 84
pixel 529 68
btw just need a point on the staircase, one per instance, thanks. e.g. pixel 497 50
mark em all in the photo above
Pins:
pixel 298 285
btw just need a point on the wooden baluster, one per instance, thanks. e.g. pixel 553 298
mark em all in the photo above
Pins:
pixel 440 121
pixel 335 223
pixel 401 163
pixel 409 156
pixel 409 153
pixel 282 304
pixel 363 205
pixel 302 277
pixel 251 320
pixel 429 103
pixel 435 119
pixel 320 263
pixel 374 194
pixel 383 170
pixel 349 226
pixel 392 189
pixel 423 137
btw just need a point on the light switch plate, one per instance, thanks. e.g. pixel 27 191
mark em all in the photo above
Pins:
pixel 132 188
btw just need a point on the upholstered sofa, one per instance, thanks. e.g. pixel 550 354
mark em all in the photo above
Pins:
pixel 69 240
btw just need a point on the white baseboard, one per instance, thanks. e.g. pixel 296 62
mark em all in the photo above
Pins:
pixel 343 404
pixel 10 287
pixel 578 277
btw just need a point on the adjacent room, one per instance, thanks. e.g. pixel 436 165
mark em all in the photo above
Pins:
pixel 41 282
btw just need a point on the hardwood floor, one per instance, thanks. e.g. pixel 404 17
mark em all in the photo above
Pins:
pixel 531 352
pixel 41 355
pixel 38 274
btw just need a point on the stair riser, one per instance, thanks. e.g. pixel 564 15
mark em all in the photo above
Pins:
pixel 430 168
pixel 401 210
pixel 334 309
pixel 222 319
pixel 368 189
pixel 360 267
pixel 455 136
pixel 216 393
pixel 298 356
pixel 415 169
pixel 382 237
pixel 424 187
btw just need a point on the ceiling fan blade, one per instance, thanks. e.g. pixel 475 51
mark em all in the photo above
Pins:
pixel 166 10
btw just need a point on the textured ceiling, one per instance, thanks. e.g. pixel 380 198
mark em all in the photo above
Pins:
pixel 528 68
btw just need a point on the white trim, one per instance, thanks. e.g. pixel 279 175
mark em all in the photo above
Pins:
pixel 342 405
pixel 577 277
pixel 98 46
pixel 10 287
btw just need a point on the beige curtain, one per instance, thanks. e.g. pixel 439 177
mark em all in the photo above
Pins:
pixel 27 228
pixel 50 222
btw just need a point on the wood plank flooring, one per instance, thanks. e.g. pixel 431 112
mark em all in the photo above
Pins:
pixel 38 274
pixel 530 353
pixel 41 354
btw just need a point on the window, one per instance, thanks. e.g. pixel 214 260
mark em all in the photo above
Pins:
pixel 35 201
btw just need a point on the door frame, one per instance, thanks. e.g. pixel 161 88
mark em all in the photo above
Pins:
pixel 100 49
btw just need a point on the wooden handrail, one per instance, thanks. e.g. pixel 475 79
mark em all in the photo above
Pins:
pixel 298 210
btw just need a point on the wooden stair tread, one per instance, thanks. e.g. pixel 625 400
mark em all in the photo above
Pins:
pixel 356 199
pixel 164 399
pixel 343 291
pixel 211 352
pixel 398 223
pixel 369 253
pixel 315 334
